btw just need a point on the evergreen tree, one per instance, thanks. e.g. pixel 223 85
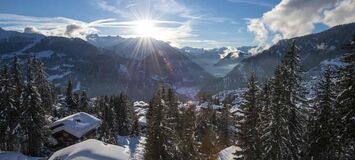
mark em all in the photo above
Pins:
pixel 170 124
pixel 324 138
pixel 346 102
pixel 7 109
pixel 135 131
pixel 294 100
pixel 154 149
pixel 34 116
pixel 16 89
pixel 248 135
pixel 121 111
pixel 84 102
pixel 45 88
pixel 69 98
pixel 16 78
pixel 274 131
pixel 206 135
pixel 107 116
pixel 224 123
pixel 2 114
pixel 208 146
pixel 189 144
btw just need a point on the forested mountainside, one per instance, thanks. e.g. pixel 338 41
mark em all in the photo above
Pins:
pixel 103 71
pixel 314 49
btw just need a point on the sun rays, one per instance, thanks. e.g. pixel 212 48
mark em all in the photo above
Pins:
pixel 146 28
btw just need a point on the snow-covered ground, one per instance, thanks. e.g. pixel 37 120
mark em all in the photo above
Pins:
pixel 91 150
pixel 134 146
pixel 227 153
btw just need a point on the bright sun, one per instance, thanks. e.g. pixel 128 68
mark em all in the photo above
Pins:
pixel 146 28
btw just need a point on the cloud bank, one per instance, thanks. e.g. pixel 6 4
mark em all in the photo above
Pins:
pixel 292 18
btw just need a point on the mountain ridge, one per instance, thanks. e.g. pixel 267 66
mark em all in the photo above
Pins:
pixel 314 48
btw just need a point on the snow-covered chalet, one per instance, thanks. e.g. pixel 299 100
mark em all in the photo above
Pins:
pixel 71 129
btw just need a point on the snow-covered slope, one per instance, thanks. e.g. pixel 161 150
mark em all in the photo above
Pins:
pixel 91 150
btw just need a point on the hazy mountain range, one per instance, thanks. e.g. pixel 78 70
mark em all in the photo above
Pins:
pixel 112 64
pixel 109 69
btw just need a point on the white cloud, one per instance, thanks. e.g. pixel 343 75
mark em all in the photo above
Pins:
pixel 257 27
pixel 31 30
pixel 292 18
pixel 253 2
pixel 277 38
pixel 256 50
pixel 50 26
pixel 296 17
pixel 344 12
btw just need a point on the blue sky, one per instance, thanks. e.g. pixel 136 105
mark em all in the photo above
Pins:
pixel 197 23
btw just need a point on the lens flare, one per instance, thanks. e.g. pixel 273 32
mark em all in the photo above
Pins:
pixel 146 28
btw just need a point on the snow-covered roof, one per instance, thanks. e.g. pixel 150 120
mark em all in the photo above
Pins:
pixel 140 104
pixel 227 153
pixel 91 150
pixel 77 124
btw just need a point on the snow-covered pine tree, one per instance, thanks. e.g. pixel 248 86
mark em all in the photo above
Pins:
pixel 16 81
pixel 120 109
pixel 154 149
pixel 2 114
pixel 84 102
pixel 33 116
pixel 69 98
pixel 265 102
pixel 170 124
pixel 274 131
pixel 346 102
pixel 224 123
pixel 324 144
pixel 16 78
pixel 189 144
pixel 266 114
pixel 135 130
pixel 248 135
pixel 45 87
pixel 294 100
pixel 7 103
pixel 208 143
pixel 206 135
pixel 107 117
